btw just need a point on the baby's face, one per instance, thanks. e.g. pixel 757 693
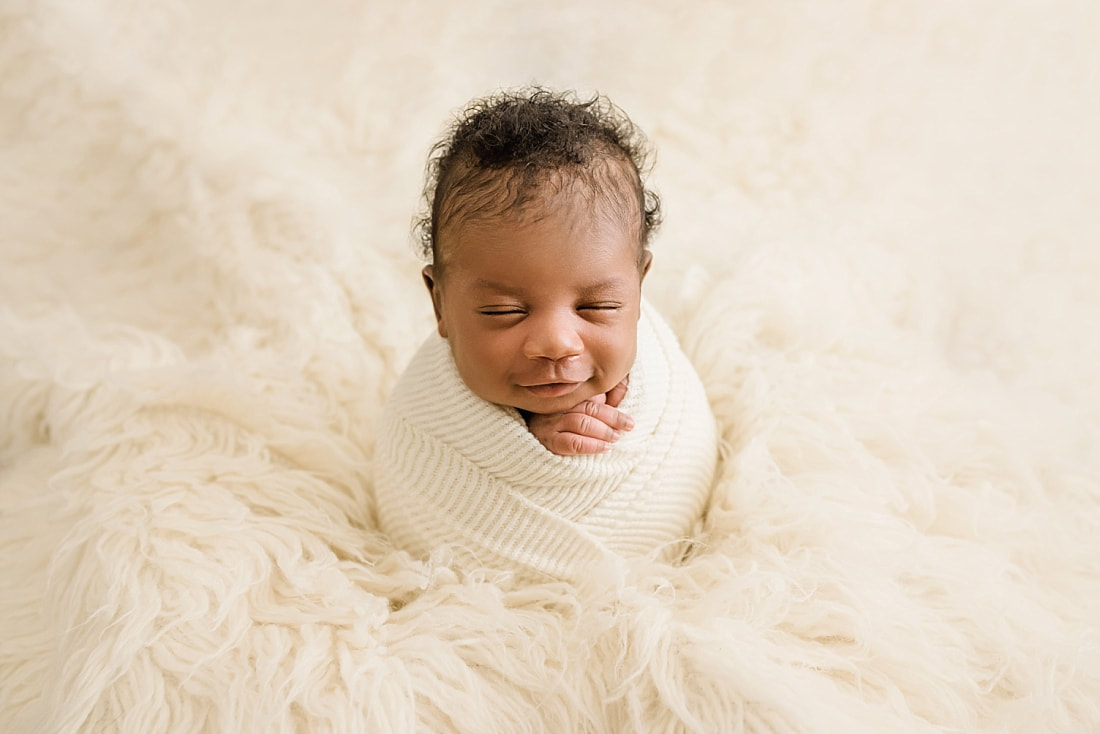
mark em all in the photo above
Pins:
pixel 540 313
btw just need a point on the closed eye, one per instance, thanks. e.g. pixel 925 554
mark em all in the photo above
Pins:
pixel 501 311
pixel 600 307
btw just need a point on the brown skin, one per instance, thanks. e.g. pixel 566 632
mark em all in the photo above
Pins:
pixel 541 311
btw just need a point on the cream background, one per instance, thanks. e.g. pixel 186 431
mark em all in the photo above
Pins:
pixel 881 251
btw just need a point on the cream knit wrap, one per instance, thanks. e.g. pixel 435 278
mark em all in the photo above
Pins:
pixel 455 469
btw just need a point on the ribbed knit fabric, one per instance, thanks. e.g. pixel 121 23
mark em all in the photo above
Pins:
pixel 454 469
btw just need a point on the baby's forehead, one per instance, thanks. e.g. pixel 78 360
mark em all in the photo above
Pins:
pixel 562 248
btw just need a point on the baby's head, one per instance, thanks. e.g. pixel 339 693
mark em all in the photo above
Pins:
pixel 537 233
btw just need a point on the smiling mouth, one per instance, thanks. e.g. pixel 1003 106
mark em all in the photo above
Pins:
pixel 551 389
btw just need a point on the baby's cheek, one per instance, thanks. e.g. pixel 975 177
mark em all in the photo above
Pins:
pixel 626 351
pixel 616 367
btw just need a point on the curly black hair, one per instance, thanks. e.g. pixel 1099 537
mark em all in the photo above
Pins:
pixel 501 149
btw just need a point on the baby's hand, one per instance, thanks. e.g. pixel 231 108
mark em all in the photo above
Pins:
pixel 590 427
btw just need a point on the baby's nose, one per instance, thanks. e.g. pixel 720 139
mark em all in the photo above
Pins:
pixel 554 341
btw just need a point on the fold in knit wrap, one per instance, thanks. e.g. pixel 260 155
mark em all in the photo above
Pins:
pixel 454 469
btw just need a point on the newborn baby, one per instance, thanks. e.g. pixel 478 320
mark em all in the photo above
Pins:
pixel 552 425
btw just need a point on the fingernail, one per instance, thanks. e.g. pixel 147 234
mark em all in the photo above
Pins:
pixel 616 435
pixel 629 423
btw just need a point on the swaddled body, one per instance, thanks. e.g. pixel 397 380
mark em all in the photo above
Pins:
pixel 457 470
pixel 553 424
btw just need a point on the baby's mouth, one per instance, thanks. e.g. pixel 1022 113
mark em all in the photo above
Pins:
pixel 551 389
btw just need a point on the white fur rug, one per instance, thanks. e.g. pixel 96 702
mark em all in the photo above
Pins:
pixel 882 251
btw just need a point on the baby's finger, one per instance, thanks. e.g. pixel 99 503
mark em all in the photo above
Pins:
pixel 572 444
pixel 593 426
pixel 612 417
pixel 616 394
pixel 601 398
pixel 586 426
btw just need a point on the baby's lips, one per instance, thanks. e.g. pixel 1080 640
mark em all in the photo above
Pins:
pixel 549 380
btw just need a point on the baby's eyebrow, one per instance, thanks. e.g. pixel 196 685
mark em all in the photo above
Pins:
pixel 604 287
pixel 491 285
pixel 593 290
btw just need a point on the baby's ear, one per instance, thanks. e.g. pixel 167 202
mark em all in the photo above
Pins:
pixel 647 260
pixel 430 281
